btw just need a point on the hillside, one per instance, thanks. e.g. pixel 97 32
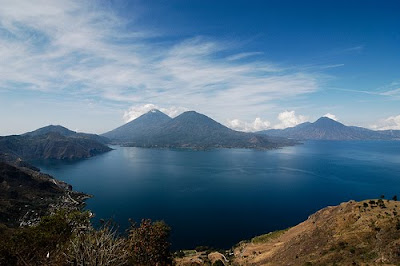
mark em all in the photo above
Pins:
pixel 26 195
pixel 192 130
pixel 53 142
pixel 327 129
pixel 352 233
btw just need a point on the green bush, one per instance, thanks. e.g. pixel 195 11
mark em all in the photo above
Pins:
pixel 267 237
pixel 40 244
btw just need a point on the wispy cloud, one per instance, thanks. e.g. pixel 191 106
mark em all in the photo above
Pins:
pixel 391 90
pixel 331 66
pixel 356 48
pixel 76 48
pixel 242 55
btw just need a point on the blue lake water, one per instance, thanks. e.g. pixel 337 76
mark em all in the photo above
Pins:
pixel 220 197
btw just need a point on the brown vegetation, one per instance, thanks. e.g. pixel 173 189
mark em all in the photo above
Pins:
pixel 353 233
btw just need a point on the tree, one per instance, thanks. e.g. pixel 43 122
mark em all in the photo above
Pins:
pixel 395 198
pixel 148 244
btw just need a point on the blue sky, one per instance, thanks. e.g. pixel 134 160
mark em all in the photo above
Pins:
pixel 251 65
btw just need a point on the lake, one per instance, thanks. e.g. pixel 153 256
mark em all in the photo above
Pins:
pixel 220 197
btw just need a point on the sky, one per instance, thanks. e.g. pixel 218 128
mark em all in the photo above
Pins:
pixel 251 65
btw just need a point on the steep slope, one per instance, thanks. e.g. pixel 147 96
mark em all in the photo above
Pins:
pixel 26 195
pixel 353 233
pixel 194 130
pixel 49 144
pixel 328 129
pixel 138 128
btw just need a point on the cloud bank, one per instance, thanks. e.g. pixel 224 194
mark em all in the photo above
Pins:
pixel 257 125
pixel 286 119
pixel 290 119
pixel 392 122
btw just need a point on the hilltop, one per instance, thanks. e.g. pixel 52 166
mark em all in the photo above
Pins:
pixel 139 127
pixel 328 129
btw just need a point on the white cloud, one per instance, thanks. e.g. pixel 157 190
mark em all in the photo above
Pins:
pixel 392 122
pixel 136 111
pixel 242 55
pixel 76 49
pixel 331 116
pixel 257 125
pixel 393 92
pixel 290 119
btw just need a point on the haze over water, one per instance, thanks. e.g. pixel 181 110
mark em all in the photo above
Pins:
pixel 220 197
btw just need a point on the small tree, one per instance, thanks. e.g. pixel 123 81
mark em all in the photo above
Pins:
pixel 97 247
pixel 395 198
pixel 148 243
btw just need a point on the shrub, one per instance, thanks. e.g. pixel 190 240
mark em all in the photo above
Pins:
pixel 203 248
pixel 267 237
pixel 148 244
pixel 97 247
pixel 218 263
pixel 41 244
pixel 179 254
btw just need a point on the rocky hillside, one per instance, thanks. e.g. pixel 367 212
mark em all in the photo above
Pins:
pixel 26 194
pixel 353 233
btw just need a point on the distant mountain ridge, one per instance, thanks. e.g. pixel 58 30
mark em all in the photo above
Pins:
pixel 328 129
pixel 188 130
pixel 52 142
